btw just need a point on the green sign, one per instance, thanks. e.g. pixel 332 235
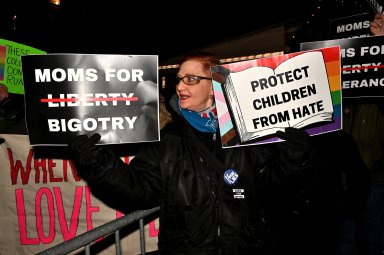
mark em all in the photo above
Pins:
pixel 11 74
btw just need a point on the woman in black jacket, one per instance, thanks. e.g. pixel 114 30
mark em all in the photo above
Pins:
pixel 208 196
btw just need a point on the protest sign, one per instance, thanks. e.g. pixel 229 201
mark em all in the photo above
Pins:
pixel 351 26
pixel 362 68
pixel 259 97
pixel 45 203
pixel 70 94
pixel 10 64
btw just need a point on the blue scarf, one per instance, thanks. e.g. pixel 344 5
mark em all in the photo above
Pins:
pixel 204 121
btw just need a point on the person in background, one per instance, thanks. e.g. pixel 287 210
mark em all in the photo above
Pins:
pixel 208 196
pixel 308 217
pixel 165 115
pixel 3 93
pixel 326 213
pixel 12 109
pixel 3 96
pixel 364 120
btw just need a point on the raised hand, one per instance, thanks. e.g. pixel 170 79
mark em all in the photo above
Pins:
pixel 296 145
pixel 377 25
pixel 86 155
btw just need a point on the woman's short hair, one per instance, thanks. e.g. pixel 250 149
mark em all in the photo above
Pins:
pixel 208 59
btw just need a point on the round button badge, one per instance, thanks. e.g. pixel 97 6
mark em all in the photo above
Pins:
pixel 230 176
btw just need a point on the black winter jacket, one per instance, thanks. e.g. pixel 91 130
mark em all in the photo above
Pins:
pixel 199 212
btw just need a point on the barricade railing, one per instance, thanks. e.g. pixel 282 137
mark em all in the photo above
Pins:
pixel 86 239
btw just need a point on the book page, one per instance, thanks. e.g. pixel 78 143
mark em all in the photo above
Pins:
pixel 296 93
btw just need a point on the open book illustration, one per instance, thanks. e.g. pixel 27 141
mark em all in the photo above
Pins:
pixel 263 99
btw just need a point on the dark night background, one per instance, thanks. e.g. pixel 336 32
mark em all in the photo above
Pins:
pixel 161 28
pixel 169 29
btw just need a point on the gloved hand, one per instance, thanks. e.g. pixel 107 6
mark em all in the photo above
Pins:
pixel 296 147
pixel 88 157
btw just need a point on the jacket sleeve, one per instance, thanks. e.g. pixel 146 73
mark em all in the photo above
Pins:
pixel 127 187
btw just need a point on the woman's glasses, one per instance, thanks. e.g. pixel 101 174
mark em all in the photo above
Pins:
pixel 191 79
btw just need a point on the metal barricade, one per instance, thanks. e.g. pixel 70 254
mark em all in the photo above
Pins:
pixel 86 239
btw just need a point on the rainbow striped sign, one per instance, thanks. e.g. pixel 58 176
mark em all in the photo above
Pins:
pixel 229 133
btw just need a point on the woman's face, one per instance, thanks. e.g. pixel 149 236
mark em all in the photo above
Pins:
pixel 194 97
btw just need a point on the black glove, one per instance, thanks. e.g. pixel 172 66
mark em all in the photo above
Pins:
pixel 296 147
pixel 88 157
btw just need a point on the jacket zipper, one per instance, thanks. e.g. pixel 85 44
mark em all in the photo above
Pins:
pixel 211 187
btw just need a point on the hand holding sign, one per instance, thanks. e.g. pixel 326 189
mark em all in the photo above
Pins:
pixel 377 25
pixel 88 157
pixel 296 147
